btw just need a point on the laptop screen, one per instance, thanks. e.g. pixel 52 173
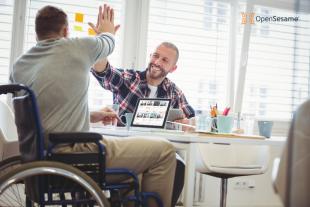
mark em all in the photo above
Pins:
pixel 151 112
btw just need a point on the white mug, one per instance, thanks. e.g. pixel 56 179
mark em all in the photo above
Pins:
pixel 128 117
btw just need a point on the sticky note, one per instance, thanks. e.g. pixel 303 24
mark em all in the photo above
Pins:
pixel 79 17
pixel 78 28
pixel 91 32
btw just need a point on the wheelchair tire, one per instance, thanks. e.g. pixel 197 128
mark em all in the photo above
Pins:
pixel 9 164
pixel 12 188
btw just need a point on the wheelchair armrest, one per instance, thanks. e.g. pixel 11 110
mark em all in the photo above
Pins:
pixel 74 137
pixel 58 138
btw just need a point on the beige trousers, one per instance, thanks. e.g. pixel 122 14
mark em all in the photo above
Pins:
pixel 153 158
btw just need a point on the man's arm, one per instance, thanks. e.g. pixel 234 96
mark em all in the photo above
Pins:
pixel 101 65
pixel 108 77
pixel 187 109
pixel 105 23
pixel 103 44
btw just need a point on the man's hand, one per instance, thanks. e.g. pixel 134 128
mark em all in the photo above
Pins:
pixel 105 115
pixel 105 21
pixel 190 122
pixel 185 120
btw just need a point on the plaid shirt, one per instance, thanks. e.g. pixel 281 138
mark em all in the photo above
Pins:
pixel 128 86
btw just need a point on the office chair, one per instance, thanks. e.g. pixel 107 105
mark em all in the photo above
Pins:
pixel 33 148
pixel 292 171
pixel 226 161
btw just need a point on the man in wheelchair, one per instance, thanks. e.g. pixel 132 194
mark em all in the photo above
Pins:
pixel 57 70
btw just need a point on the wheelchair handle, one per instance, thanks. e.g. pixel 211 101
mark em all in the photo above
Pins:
pixel 12 88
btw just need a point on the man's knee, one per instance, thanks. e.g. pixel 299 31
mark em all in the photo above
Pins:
pixel 167 148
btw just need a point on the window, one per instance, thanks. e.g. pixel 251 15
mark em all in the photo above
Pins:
pixel 98 97
pixel 277 72
pixel 277 77
pixel 202 38
pixel 6 20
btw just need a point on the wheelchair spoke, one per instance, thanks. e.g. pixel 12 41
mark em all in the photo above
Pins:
pixel 13 197
pixel 43 178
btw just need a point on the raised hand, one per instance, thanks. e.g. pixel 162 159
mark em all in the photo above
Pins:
pixel 105 21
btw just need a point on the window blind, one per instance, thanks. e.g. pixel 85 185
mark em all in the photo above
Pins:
pixel 277 78
pixel 202 39
pixel 98 97
pixel 6 20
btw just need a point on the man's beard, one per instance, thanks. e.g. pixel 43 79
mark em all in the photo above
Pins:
pixel 156 74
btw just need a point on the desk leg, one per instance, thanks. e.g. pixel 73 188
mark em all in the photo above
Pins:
pixel 190 175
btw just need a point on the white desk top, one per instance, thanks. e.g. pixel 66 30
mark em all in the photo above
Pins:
pixel 184 137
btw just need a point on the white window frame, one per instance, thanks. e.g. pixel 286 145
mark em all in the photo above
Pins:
pixel 18 30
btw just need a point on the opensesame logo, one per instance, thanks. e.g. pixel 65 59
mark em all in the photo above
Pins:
pixel 252 19
pixel 247 17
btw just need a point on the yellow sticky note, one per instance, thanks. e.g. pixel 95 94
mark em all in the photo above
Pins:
pixel 79 17
pixel 91 32
pixel 78 28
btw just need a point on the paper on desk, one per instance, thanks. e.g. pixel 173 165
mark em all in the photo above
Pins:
pixel 231 135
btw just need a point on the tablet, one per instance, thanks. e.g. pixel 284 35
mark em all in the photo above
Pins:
pixel 151 112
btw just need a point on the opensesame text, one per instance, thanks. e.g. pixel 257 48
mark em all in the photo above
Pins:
pixel 263 19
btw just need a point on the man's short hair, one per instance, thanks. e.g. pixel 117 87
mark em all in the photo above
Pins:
pixel 49 20
pixel 172 46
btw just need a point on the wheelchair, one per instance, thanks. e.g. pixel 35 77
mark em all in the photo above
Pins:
pixel 43 177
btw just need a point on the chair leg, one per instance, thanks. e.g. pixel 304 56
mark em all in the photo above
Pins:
pixel 223 192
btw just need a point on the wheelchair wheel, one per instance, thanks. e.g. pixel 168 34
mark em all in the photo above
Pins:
pixel 9 164
pixel 15 189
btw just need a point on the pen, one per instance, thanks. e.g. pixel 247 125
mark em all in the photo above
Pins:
pixel 226 111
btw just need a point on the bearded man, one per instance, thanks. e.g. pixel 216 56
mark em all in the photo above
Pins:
pixel 128 86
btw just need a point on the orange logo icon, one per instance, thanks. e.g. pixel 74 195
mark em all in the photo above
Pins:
pixel 247 17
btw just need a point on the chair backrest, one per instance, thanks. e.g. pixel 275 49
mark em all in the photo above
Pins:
pixel 232 158
pixel 292 182
pixel 8 132
pixel 27 120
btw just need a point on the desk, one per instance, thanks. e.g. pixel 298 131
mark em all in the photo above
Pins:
pixel 189 142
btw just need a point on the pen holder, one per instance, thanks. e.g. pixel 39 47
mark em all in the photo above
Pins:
pixel 223 124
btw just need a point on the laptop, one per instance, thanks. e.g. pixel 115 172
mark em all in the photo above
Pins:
pixel 151 113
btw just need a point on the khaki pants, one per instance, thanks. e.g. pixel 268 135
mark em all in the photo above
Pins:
pixel 153 158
